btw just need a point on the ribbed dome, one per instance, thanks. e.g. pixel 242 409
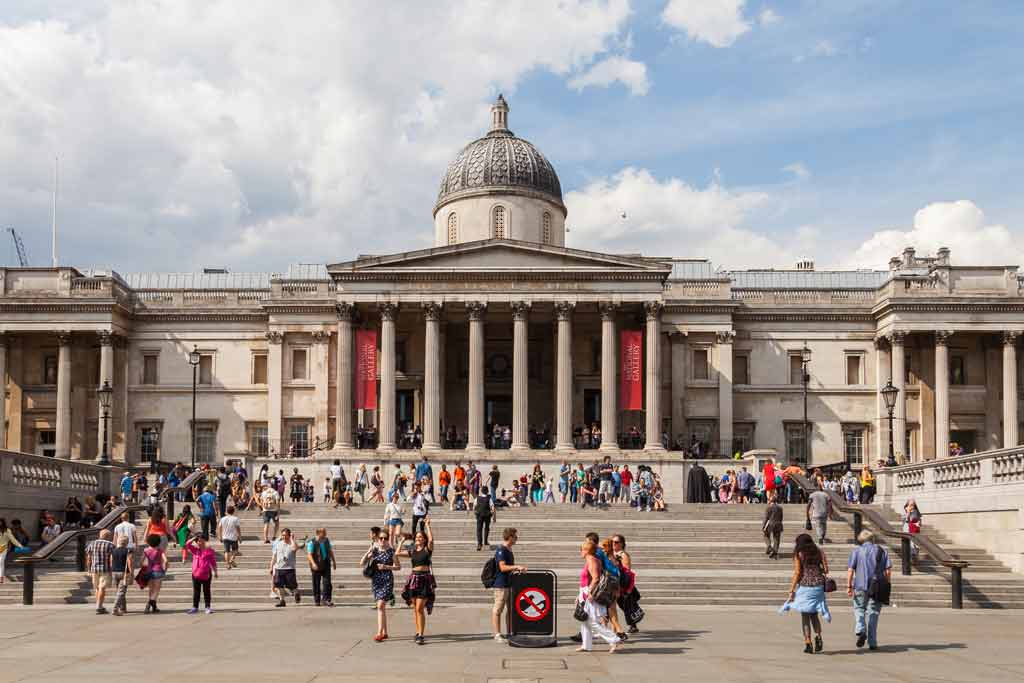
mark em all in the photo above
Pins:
pixel 499 161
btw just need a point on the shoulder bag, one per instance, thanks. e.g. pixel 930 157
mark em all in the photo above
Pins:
pixel 879 586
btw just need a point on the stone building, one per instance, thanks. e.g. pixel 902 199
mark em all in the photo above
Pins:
pixel 500 322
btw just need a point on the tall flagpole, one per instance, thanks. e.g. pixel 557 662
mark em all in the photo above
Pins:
pixel 56 179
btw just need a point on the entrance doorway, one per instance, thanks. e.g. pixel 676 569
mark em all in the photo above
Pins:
pixel 964 438
pixel 498 410
pixel 591 406
pixel 405 407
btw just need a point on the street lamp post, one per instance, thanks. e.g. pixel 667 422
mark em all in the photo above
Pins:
pixel 805 377
pixel 104 393
pixel 889 394
pixel 193 360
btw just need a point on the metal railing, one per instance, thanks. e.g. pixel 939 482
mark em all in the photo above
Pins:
pixel 882 526
pixel 108 521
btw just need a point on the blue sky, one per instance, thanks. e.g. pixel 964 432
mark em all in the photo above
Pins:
pixel 751 133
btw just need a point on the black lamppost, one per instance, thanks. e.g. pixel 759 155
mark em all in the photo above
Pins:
pixel 193 360
pixel 805 377
pixel 104 393
pixel 889 394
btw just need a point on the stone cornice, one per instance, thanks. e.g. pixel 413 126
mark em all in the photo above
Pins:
pixel 327 308
pixel 202 316
pixel 679 307
pixel 947 307
pixel 107 306
pixel 413 275
pixel 804 316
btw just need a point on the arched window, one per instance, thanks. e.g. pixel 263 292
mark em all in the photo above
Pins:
pixel 545 228
pixel 453 228
pixel 499 222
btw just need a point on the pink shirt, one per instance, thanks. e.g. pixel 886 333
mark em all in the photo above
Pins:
pixel 203 561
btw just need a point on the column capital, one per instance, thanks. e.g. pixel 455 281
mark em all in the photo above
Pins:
pixel 274 337
pixel 321 336
pixel 1011 337
pixel 725 336
pixel 897 338
pixel 652 309
pixel 476 309
pixel 432 310
pixel 564 309
pixel 346 311
pixel 942 337
pixel 608 309
pixel 388 311
pixel 881 343
pixel 521 310
pixel 64 337
pixel 106 338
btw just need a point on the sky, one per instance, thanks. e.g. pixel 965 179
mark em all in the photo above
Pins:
pixel 751 132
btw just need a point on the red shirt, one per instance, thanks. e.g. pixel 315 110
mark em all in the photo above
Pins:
pixel 627 477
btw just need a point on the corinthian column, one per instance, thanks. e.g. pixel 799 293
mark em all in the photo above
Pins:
pixel 476 310
pixel 3 391
pixel 724 339
pixel 942 394
pixel 63 449
pixel 343 379
pixel 432 376
pixel 652 309
pixel 386 401
pixel 106 375
pixel 520 374
pixel 1010 388
pixel 899 377
pixel 563 404
pixel 609 390
pixel 274 380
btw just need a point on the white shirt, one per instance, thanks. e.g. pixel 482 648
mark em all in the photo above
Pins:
pixel 392 511
pixel 51 532
pixel 229 527
pixel 335 471
pixel 419 505
pixel 269 499
pixel 126 529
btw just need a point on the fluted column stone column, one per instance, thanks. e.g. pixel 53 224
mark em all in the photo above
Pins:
pixel 63 449
pixel 652 311
pixel 899 376
pixel 609 385
pixel 476 311
pixel 520 375
pixel 343 379
pixel 3 390
pixel 106 375
pixel 724 340
pixel 1010 389
pixel 275 376
pixel 883 374
pixel 942 394
pixel 563 403
pixel 386 401
pixel 432 312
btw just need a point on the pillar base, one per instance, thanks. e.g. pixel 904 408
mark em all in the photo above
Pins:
pixel 655 448
pixel 476 448
pixel 611 447
pixel 564 448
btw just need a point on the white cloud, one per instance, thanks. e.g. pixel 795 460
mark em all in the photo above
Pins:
pixel 798 169
pixel 670 218
pixel 959 225
pixel 716 22
pixel 261 136
pixel 630 73
pixel 821 49
pixel 768 17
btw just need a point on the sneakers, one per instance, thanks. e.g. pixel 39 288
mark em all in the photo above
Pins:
pixel 298 597
pixel 420 640
pixel 634 629
pixel 193 610
pixel 500 637
pixel 861 639
pixel 149 607
pixel 328 603
pixel 280 603
pixel 818 645
pixel 577 638
pixel 101 610
pixel 209 610
pixel 808 649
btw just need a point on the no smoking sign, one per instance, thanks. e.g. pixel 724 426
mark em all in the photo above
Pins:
pixel 532 604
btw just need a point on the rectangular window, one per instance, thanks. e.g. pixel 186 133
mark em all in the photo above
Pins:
pixel 149 369
pixel 299 364
pixel 957 370
pixel 206 442
pixel 705 432
pixel 49 369
pixel 400 355
pixel 259 368
pixel 298 440
pixel 149 444
pixel 259 443
pixel 206 369
pixel 796 369
pixel 700 363
pixel 853 369
pixel 46 442
pixel 853 446
pixel 742 437
pixel 741 369
pixel 796 442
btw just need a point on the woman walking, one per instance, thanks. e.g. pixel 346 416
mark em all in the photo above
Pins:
pixel 420 587
pixel 7 539
pixel 381 556
pixel 204 570
pixel 182 526
pixel 807 590
pixel 393 518
pixel 536 485
pixel 362 483
pixel 597 615
pixel 377 482
pixel 912 523
pixel 157 526
pixel 867 486
pixel 154 561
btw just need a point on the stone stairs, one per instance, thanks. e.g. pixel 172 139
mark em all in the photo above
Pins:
pixel 690 555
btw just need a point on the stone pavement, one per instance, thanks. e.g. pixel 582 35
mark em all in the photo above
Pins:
pixel 252 644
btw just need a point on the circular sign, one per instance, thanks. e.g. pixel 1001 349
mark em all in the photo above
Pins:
pixel 533 604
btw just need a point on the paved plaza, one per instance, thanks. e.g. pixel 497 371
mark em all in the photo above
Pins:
pixel 307 644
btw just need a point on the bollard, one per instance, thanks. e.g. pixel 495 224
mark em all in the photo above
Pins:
pixel 905 555
pixel 858 525
pixel 80 554
pixel 958 588
pixel 28 587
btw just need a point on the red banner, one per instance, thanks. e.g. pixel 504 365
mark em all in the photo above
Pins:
pixel 631 370
pixel 366 369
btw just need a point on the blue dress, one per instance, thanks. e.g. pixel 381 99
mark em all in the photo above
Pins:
pixel 383 580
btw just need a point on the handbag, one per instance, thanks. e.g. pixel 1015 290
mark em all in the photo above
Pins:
pixel 370 569
pixel 580 613
pixel 830 585
pixel 142 578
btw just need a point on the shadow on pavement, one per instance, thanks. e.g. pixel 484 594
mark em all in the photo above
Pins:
pixel 922 647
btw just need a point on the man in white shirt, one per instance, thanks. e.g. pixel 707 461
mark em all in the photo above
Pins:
pixel 229 531
pixel 125 529
pixel 270 503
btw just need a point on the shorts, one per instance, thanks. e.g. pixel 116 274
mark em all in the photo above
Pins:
pixel 395 521
pixel 156 574
pixel 745 493
pixel 269 516
pixel 285 578
pixel 230 546
pixel 102 580
pixel 500 600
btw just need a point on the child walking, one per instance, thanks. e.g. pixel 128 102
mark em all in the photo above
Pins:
pixel 204 569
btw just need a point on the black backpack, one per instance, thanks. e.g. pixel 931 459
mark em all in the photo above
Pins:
pixel 489 572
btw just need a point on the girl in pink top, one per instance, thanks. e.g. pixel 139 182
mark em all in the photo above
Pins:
pixel 204 569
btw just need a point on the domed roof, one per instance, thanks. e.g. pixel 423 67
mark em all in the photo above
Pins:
pixel 499 161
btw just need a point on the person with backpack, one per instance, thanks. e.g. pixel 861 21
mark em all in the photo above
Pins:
pixel 868 577
pixel 320 555
pixel 497 573
pixel 484 512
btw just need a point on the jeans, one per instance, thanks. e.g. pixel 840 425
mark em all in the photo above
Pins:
pixel 820 525
pixel 573 494
pixel 205 586
pixel 483 529
pixel 209 524
pixel 417 521
pixel 494 494
pixel 123 581
pixel 322 585
pixel 866 609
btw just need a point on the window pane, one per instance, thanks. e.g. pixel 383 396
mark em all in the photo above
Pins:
pixel 700 364
pixel 853 370
pixel 795 443
pixel 206 369
pixel 299 364
pixel 853 446
pixel 149 369
pixel 149 444
pixel 298 437
pixel 259 369
pixel 739 370
pixel 259 444
pixel 206 443
pixel 795 370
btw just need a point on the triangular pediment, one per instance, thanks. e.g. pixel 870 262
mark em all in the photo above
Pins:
pixel 500 255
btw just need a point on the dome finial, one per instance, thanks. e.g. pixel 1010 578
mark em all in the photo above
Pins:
pixel 499 115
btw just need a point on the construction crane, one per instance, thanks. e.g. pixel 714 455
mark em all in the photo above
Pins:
pixel 19 247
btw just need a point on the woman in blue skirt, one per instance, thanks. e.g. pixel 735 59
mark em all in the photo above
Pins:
pixel 807 590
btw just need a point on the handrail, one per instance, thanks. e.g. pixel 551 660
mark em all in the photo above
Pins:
pixel 106 522
pixel 882 525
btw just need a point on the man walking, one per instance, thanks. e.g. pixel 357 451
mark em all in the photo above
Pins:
pixel 604 472
pixel 282 567
pixel 270 503
pixel 125 530
pixel 772 527
pixel 745 483
pixel 505 565
pixel 208 511
pixel 320 555
pixel 229 531
pixel 99 560
pixel 867 561
pixel 819 509
pixel 121 567
pixel 485 514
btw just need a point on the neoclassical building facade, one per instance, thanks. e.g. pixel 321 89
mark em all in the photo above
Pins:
pixel 501 323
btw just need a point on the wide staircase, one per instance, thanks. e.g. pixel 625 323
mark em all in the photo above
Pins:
pixel 689 555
